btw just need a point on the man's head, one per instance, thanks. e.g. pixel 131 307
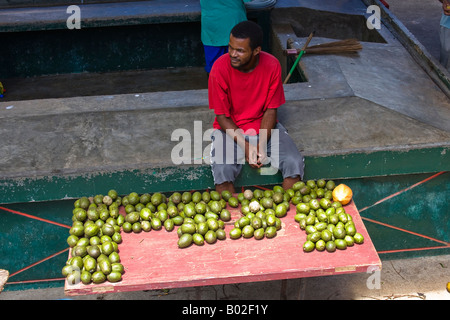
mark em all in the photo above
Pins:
pixel 245 45
pixel 249 30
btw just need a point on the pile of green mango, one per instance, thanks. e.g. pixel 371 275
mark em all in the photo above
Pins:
pixel 204 215
pixel 94 238
pixel 327 225
pixel 97 225
pixel 200 217
pixel 261 212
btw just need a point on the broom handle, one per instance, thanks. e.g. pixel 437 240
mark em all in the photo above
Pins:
pixel 298 58
pixel 293 67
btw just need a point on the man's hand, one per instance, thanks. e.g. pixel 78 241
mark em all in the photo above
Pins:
pixel 251 155
pixel 268 122
pixel 235 133
pixel 255 156
pixel 262 157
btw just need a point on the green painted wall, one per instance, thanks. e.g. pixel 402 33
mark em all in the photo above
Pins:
pixel 409 202
pixel 416 202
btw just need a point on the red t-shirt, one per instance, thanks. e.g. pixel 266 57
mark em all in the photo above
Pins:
pixel 244 97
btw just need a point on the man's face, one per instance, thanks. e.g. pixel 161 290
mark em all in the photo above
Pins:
pixel 242 56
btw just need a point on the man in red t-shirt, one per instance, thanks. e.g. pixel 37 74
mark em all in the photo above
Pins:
pixel 245 90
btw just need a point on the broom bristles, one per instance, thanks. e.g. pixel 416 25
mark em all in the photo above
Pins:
pixel 337 49
pixel 341 46
pixel 345 42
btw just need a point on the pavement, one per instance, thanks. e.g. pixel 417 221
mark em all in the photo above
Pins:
pixel 423 278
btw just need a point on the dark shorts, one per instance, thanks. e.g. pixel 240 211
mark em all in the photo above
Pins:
pixel 211 55
pixel 227 157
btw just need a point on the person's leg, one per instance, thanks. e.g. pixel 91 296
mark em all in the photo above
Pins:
pixel 288 182
pixel 285 156
pixel 445 47
pixel 211 55
pixel 226 161
pixel 225 186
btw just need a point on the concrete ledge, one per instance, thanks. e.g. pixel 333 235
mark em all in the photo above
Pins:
pixel 104 15
pixel 75 183
pixel 86 134
pixel 132 13
pixel 100 15
pixel 64 148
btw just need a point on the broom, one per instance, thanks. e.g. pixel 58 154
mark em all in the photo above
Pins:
pixel 300 53
pixel 341 46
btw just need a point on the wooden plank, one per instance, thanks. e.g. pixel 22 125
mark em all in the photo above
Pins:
pixel 4 275
pixel 152 260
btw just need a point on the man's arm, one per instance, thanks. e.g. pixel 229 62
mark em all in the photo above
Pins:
pixel 253 155
pixel 268 122
pixel 251 152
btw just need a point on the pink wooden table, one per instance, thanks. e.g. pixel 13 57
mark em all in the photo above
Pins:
pixel 152 260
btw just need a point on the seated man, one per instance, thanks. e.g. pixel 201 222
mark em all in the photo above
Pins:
pixel 245 90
